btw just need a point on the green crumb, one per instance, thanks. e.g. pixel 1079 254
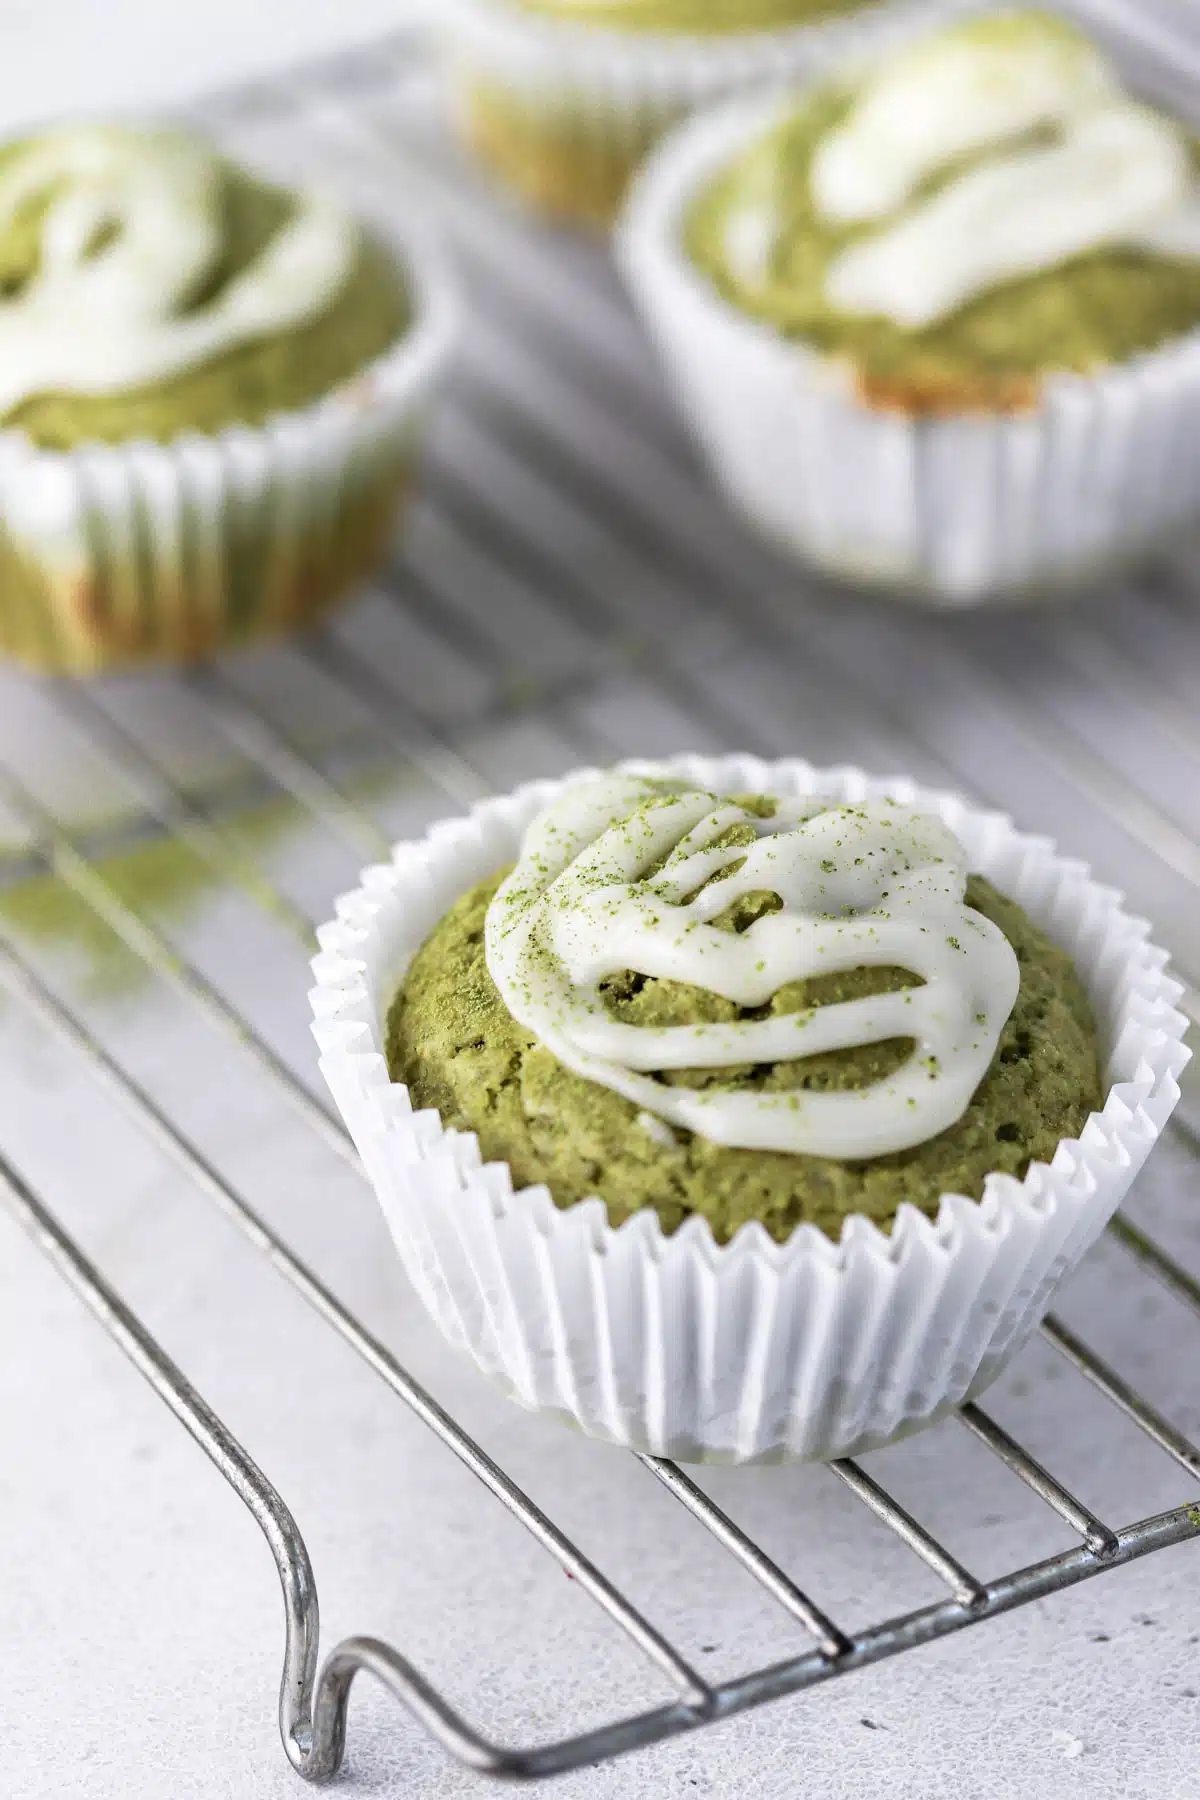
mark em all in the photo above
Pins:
pixel 451 1039
pixel 1193 1513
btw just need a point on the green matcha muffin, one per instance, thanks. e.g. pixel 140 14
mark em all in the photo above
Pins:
pixel 562 101
pixel 209 393
pixel 780 241
pixel 453 1043
pixel 937 319
pixel 736 1111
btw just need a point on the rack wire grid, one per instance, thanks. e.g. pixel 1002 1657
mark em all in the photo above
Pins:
pixel 567 589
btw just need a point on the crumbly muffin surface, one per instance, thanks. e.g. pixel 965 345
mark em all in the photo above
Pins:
pixel 452 1041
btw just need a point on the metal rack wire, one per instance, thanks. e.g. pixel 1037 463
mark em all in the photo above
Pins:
pixel 563 522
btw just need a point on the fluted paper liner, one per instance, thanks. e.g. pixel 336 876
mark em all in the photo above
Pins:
pixel 957 509
pixel 119 553
pixel 620 89
pixel 751 1351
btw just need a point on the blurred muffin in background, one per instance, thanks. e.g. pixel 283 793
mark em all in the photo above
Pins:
pixel 209 393
pixel 563 98
pixel 937 321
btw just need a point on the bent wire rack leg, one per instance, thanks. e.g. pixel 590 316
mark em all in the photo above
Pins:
pixel 312 1707
pixel 310 1755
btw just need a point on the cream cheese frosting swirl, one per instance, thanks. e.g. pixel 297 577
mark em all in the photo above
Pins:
pixel 623 873
pixel 130 238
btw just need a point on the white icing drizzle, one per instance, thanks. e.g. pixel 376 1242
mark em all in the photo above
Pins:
pixel 964 90
pixel 750 233
pixel 870 885
pixel 130 234
pixel 1113 173
pixel 658 1130
pixel 1117 174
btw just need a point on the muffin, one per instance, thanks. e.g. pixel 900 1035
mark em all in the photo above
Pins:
pixel 936 320
pixel 563 100
pixel 209 394
pixel 738 1111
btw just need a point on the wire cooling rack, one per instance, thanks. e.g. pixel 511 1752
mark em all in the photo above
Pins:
pixel 567 590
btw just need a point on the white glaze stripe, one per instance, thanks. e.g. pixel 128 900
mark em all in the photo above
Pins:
pixel 875 885
pixel 969 88
pixel 130 233
pixel 1115 175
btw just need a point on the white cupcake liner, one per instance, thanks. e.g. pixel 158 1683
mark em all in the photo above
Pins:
pixel 753 1351
pixel 620 89
pixel 132 551
pixel 957 509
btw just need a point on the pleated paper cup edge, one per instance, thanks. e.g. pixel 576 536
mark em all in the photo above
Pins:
pixel 576 59
pixel 562 111
pixel 431 1169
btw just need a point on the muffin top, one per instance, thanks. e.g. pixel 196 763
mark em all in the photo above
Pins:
pixel 693 17
pixel 149 287
pixel 762 1008
pixel 984 208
